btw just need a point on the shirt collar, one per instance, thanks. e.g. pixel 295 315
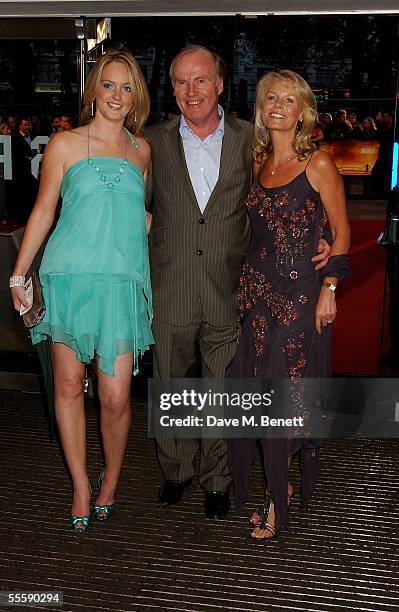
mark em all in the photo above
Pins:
pixel 220 128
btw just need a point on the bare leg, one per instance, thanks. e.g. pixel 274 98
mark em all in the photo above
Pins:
pixel 69 375
pixel 114 394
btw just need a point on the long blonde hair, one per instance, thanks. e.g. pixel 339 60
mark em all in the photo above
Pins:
pixel 303 145
pixel 138 114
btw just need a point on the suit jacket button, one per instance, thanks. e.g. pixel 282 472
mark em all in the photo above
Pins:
pixel 201 221
pixel 199 252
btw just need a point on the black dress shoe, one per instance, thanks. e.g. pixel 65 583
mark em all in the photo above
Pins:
pixel 173 490
pixel 217 504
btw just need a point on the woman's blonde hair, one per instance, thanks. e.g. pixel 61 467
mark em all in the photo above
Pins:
pixel 4 124
pixel 303 145
pixel 138 114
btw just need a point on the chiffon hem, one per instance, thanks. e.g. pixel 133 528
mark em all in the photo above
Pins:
pixel 101 315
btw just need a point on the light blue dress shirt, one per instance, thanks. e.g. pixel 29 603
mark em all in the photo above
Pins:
pixel 203 158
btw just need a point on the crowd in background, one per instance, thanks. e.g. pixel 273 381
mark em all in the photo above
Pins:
pixel 346 125
pixel 18 196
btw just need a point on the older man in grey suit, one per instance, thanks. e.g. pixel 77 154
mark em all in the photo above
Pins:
pixel 201 173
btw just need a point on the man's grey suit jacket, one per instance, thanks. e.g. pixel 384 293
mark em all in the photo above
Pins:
pixel 195 257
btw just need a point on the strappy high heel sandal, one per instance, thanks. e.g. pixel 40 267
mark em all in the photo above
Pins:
pixel 265 524
pixel 254 519
pixel 80 524
pixel 103 512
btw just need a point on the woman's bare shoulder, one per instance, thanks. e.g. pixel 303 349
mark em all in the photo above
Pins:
pixel 66 147
pixel 321 160
pixel 68 138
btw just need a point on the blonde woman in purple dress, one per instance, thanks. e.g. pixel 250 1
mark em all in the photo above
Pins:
pixel 287 308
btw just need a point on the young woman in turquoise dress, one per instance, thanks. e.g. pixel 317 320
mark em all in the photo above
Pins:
pixel 95 270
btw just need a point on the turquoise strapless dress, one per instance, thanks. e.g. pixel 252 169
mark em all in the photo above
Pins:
pixel 95 268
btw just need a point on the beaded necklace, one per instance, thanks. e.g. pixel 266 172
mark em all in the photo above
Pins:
pixel 110 183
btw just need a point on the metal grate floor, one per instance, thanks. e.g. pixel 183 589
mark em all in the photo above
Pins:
pixel 342 555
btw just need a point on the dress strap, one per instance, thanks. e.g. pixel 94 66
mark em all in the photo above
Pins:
pixel 133 141
pixel 308 162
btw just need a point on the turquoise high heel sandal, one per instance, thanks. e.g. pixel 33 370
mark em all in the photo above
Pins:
pixel 103 513
pixel 80 524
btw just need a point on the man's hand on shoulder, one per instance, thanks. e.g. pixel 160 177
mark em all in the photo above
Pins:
pixel 323 254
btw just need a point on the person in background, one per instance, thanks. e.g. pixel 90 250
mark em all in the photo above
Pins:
pixel 379 121
pixel 172 113
pixel 55 125
pixel 340 128
pixel 13 123
pixel 355 125
pixel 24 184
pixel 382 169
pixel 326 120
pixel 66 122
pixel 36 123
pixel 381 175
pixel 318 132
pixel 5 191
pixel 368 129
pixel 5 129
pixel 95 269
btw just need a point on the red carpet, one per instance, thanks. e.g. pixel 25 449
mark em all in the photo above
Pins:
pixel 8 228
pixel 356 337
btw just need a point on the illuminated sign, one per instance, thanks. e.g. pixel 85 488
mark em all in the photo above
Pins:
pixel 354 157
pixel 48 88
pixel 6 157
pixel 394 179
pixel 103 32
pixel 320 94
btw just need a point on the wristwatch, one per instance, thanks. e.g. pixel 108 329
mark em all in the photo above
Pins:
pixel 330 286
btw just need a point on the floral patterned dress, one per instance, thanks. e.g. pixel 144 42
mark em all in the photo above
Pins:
pixel 279 288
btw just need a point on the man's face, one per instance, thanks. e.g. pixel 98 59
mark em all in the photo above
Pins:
pixel 25 127
pixel 197 87
pixel 387 120
pixel 65 122
pixel 12 121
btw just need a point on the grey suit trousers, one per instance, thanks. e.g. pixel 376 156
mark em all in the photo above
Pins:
pixel 196 259
pixel 175 352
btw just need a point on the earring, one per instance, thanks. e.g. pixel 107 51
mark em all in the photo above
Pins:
pixel 135 117
pixel 299 126
pixel 92 109
pixel 261 130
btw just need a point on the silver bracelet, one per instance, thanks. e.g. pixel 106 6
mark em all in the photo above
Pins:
pixel 17 281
